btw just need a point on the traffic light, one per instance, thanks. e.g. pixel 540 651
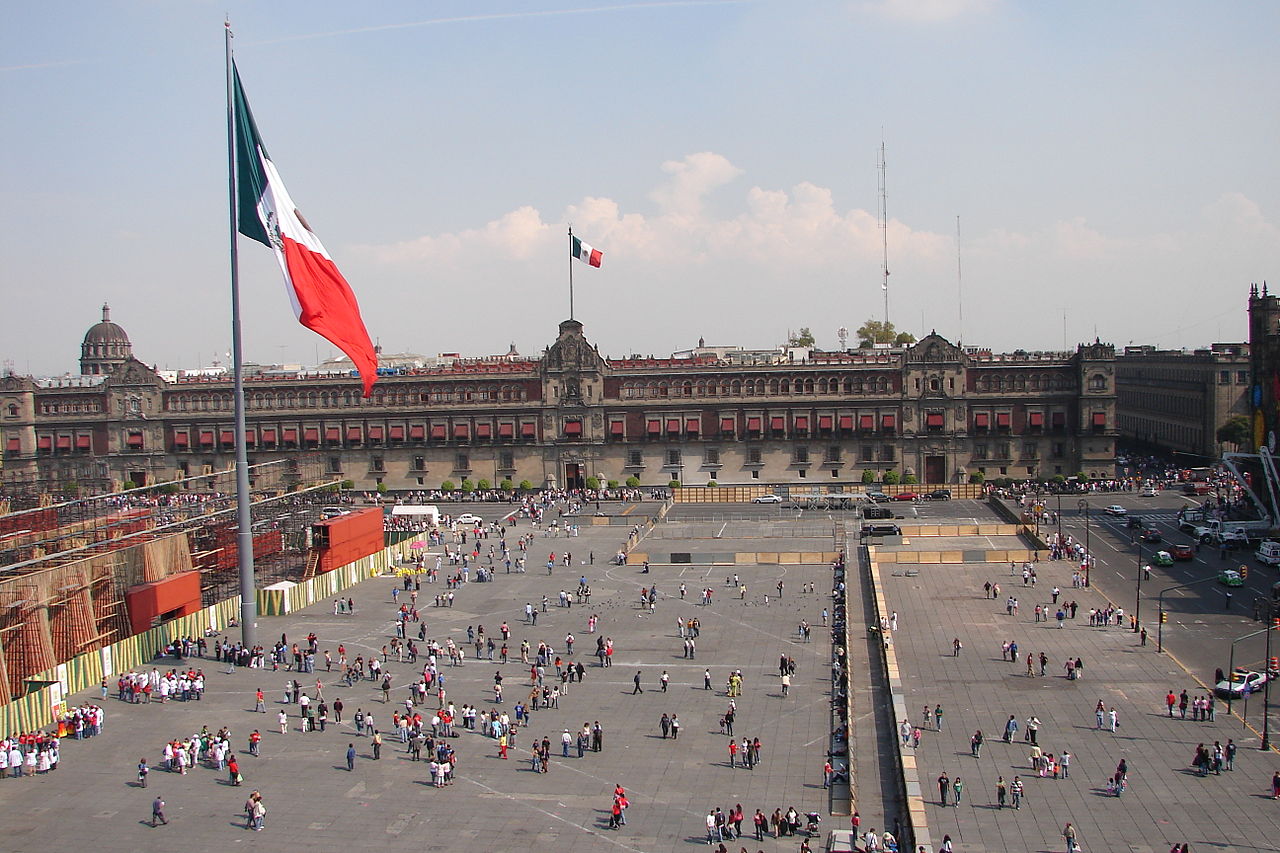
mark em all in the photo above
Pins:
pixel 1244 572
pixel 1164 617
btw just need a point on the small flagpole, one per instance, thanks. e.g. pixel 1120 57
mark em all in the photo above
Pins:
pixel 244 533
pixel 570 272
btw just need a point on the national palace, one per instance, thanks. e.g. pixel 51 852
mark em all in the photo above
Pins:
pixel 930 412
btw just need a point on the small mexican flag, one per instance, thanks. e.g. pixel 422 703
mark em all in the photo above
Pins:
pixel 585 253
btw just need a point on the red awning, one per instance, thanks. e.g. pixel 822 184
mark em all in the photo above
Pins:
pixel 573 427
pixel 64 442
pixel 206 437
pixel 655 426
pixel 617 428
pixel 268 436
pixel 692 426
pixel 867 422
pixel 84 442
pixel 888 421
pixel 753 424
pixel 824 421
pixel 438 432
pixel 180 439
pixel 1059 419
pixel 1003 419
pixel 333 434
pixel 484 430
pixel 13 445
pixel 673 424
pixel 461 431
pixel 982 420
pixel 227 436
pixel 44 442
pixel 1036 419
pixel 846 422
pixel 1099 419
pixel 528 430
pixel 311 434
pixel 375 433
pixel 290 436
pixel 933 420
pixel 506 430
pixel 135 439
pixel 396 433
pixel 354 434
pixel 802 423
pixel 728 425
pixel 250 438
pixel 777 423
pixel 416 433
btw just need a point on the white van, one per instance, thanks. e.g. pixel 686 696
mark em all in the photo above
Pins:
pixel 1269 553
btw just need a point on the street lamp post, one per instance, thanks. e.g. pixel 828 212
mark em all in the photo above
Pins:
pixel 1083 506
pixel 1266 690
pixel 1137 604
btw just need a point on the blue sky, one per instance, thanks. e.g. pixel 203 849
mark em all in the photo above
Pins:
pixel 1113 167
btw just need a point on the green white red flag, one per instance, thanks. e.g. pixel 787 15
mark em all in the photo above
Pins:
pixel 587 254
pixel 321 298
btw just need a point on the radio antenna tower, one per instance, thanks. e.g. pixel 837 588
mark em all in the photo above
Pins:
pixel 884 235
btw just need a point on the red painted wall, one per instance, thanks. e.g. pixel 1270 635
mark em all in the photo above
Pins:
pixel 178 595
pixel 351 536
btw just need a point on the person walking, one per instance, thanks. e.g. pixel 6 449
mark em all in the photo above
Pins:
pixel 351 757
pixel 944 788
pixel 157 812
pixel 1069 834
pixel 1002 791
pixel 636 680
pixel 975 744
pixel 143 770
pixel 957 787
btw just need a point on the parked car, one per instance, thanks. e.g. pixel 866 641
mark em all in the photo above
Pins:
pixel 1149 491
pixel 939 495
pixel 1242 682
pixel 905 496
pixel 1163 558
pixel 1230 577
pixel 1150 534
pixel 767 499
pixel 468 518
pixel 878 497
pixel 1116 510
pixel 1183 552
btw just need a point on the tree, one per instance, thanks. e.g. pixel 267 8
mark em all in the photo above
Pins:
pixel 525 486
pixel 593 483
pixel 977 477
pixel 890 478
pixel 674 484
pixel 711 484
pixel 483 485
pixel 468 486
pixel 382 488
pixel 447 486
pixel 613 484
pixel 910 480
pixel 802 338
pixel 1235 431
pixel 507 486
pixel 868 476
pixel 633 482
pixel 880 332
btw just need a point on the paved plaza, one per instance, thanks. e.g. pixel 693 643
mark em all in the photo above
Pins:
pixel 92 801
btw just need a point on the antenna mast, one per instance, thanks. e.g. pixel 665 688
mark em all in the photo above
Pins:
pixel 884 235
pixel 959 283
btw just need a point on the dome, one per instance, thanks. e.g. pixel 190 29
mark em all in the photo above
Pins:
pixel 106 332
pixel 105 347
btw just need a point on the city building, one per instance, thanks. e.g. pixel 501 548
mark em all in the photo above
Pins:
pixel 1175 400
pixel 929 411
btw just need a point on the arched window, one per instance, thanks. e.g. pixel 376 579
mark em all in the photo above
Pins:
pixel 773 387
pixel 1097 382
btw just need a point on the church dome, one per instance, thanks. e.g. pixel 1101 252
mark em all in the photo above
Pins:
pixel 106 332
pixel 105 347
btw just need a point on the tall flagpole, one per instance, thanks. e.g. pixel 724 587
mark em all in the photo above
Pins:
pixel 570 272
pixel 244 533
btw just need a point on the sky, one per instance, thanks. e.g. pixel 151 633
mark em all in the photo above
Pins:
pixel 1054 172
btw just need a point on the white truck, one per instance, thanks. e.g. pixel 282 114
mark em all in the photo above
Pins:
pixel 1233 534
pixel 1268 553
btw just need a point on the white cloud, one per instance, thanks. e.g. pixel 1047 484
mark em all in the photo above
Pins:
pixel 930 11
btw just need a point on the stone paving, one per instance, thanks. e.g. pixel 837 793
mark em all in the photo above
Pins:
pixel 1166 801
pixel 314 802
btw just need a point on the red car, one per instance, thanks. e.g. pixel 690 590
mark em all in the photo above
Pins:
pixel 1183 552
pixel 906 496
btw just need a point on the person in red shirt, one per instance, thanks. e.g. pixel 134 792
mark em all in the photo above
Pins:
pixel 1170 700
